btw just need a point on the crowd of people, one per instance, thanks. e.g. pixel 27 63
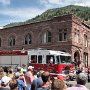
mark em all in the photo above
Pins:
pixel 23 78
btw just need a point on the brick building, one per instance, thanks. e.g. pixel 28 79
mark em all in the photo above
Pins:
pixel 66 33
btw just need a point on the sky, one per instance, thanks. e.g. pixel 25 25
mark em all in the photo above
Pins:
pixel 22 10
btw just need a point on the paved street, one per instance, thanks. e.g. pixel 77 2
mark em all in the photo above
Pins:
pixel 74 82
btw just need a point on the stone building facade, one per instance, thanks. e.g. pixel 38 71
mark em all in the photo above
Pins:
pixel 66 33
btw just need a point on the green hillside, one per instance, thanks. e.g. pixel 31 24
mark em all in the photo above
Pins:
pixel 80 11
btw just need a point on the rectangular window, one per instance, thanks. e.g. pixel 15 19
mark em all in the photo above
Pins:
pixel 57 60
pixel 62 34
pixel 60 37
pixel 13 42
pixel 62 58
pixel 50 59
pixel 76 36
pixel 85 56
pixel 85 41
pixel 33 58
pixel 49 39
pixel 39 59
pixel 44 38
pixel 65 36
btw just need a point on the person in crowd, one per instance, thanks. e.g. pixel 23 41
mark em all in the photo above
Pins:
pixel 58 84
pixel 10 74
pixel 77 61
pixel 29 77
pixel 1 72
pixel 5 83
pixel 46 81
pixel 81 81
pixel 78 71
pixel 35 74
pixel 88 73
pixel 6 70
pixel 18 70
pixel 23 68
pixel 13 84
pixel 81 64
pixel 21 83
pixel 37 82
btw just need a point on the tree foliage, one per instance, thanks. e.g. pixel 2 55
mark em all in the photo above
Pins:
pixel 80 11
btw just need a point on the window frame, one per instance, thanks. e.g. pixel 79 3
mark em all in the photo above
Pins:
pixel 46 37
pixel 28 39
pixel 62 36
pixel 11 41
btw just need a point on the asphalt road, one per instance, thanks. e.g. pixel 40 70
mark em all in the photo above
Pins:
pixel 74 82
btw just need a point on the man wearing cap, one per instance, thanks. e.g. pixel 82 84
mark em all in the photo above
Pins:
pixel 81 81
pixel 4 83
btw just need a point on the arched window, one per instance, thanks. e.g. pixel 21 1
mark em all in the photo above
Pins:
pixel 11 41
pixel 28 39
pixel 46 37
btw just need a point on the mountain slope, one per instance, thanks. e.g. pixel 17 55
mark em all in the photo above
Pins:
pixel 80 11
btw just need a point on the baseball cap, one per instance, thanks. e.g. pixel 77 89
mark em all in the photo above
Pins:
pixel 30 67
pixel 19 68
pixel 5 80
pixel 17 74
pixel 23 65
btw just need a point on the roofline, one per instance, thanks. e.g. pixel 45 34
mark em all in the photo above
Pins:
pixel 83 23
pixel 39 21
pixel 86 25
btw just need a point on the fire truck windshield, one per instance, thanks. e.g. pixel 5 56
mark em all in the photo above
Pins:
pixel 65 59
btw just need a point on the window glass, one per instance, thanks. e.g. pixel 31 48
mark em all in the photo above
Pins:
pixel 85 41
pixel 50 59
pixel 65 59
pixel 62 34
pixel 11 41
pixel 65 36
pixel 28 39
pixel 46 37
pixel 33 58
pixel 39 59
pixel 85 61
pixel 57 60
pixel 62 59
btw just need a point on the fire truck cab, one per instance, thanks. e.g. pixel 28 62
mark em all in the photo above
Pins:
pixel 51 60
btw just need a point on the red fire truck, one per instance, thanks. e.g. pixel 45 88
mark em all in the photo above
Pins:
pixel 13 58
pixel 53 61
